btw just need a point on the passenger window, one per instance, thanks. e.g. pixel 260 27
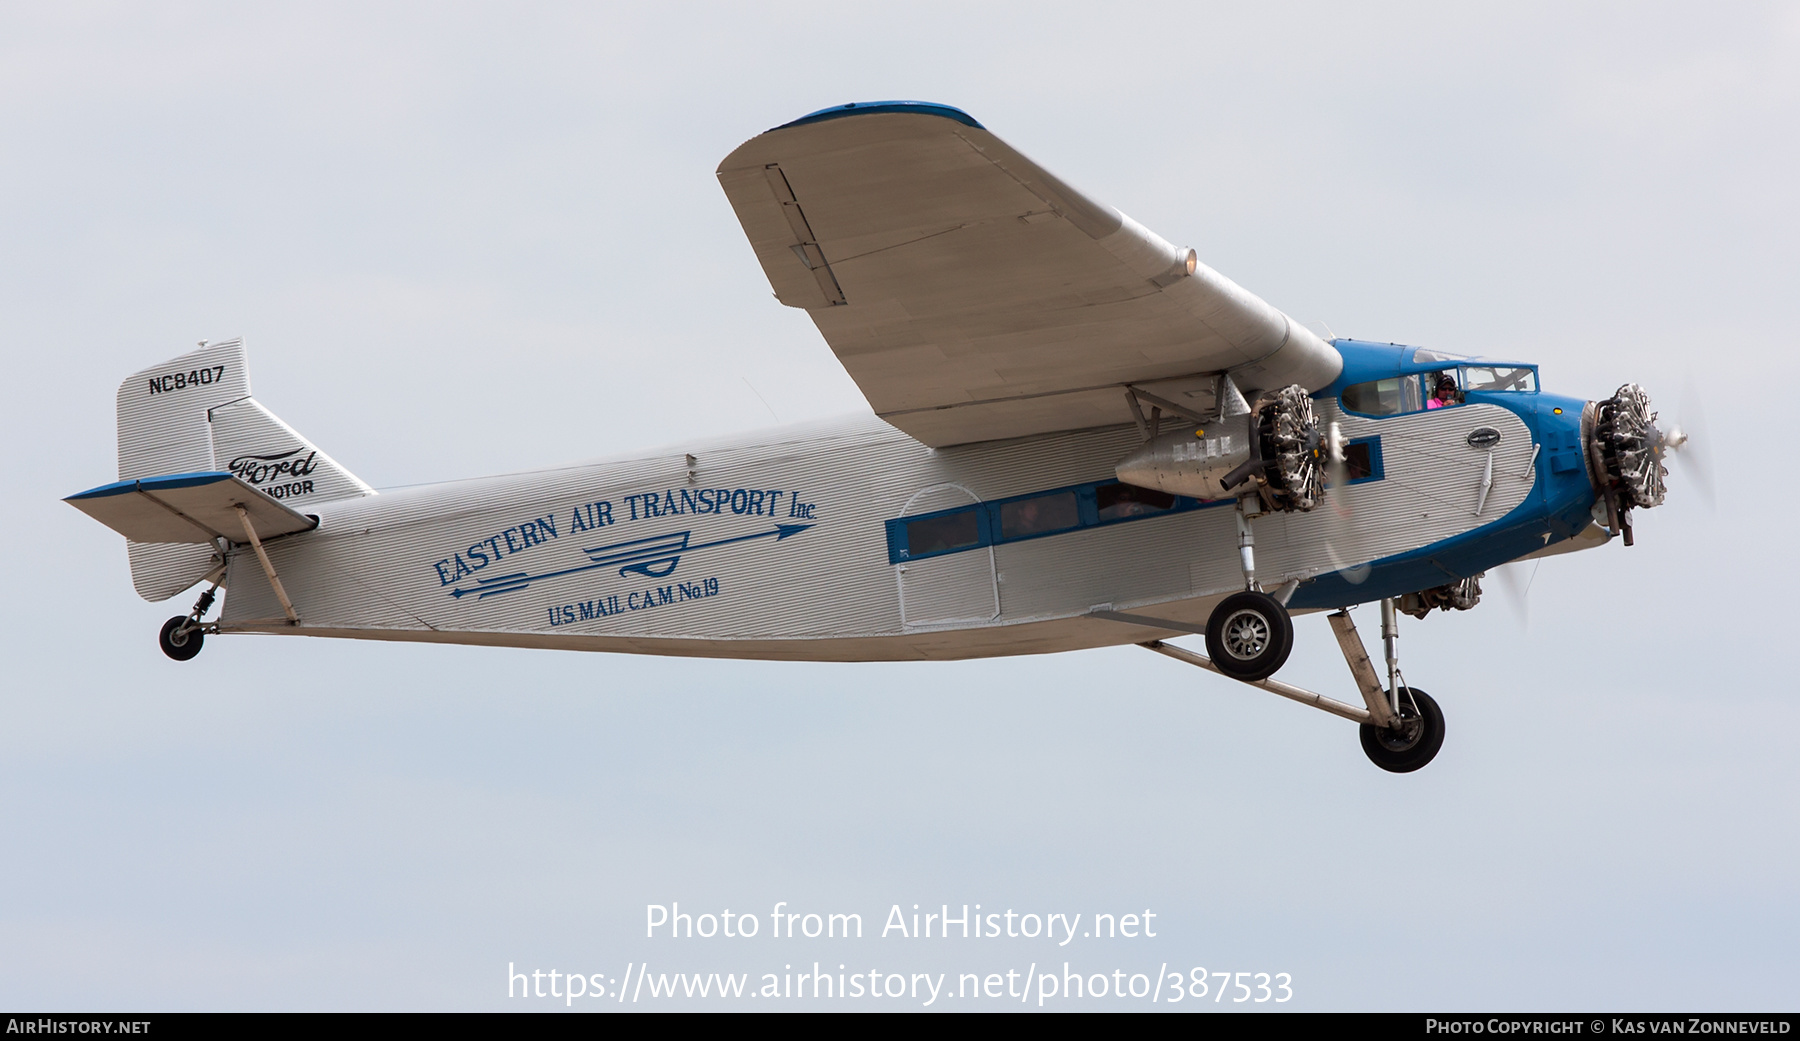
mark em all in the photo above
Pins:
pixel 1390 397
pixel 1118 501
pixel 1499 377
pixel 1358 464
pixel 958 530
pixel 1037 516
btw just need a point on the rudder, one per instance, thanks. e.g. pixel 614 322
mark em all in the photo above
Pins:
pixel 194 413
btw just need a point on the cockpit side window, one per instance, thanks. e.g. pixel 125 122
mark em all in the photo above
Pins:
pixel 1390 397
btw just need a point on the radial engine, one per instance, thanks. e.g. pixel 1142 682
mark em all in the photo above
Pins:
pixel 1625 454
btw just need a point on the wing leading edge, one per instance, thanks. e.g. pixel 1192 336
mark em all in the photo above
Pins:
pixel 972 295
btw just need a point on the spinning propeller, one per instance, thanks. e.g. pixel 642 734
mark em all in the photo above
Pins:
pixel 1632 450
pixel 1337 476
pixel 1685 442
pixel 1516 578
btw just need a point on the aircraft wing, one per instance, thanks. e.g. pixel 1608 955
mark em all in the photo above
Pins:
pixel 972 295
pixel 195 507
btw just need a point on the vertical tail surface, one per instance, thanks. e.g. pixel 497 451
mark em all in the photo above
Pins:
pixel 194 413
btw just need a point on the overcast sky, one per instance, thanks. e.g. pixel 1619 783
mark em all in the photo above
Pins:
pixel 469 239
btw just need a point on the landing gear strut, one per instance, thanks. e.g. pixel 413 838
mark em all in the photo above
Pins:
pixel 1405 728
pixel 1250 633
pixel 1402 728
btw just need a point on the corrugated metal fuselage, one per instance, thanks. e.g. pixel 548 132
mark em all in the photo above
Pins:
pixel 779 546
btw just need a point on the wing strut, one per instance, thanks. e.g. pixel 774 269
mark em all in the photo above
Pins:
pixel 287 605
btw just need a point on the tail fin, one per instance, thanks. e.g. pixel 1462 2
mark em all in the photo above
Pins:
pixel 195 413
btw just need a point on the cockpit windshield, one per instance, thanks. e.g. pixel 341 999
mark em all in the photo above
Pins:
pixel 1499 377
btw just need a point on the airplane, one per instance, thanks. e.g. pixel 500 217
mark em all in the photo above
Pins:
pixel 1081 436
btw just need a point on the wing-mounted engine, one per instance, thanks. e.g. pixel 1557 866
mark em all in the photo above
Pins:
pixel 1624 454
pixel 1276 448
pixel 1291 444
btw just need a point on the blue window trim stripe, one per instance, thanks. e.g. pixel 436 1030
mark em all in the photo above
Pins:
pixel 866 108
pixel 988 518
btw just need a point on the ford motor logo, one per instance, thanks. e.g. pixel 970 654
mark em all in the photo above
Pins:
pixel 1484 437
pixel 259 469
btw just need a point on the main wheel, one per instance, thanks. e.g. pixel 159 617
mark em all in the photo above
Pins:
pixel 1249 636
pixel 1414 742
pixel 178 643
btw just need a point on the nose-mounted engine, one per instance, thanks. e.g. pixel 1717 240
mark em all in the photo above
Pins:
pixel 1625 454
pixel 1276 448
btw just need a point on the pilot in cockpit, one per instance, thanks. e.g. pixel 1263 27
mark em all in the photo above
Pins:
pixel 1446 394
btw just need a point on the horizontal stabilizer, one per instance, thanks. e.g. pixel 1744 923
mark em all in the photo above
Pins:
pixel 195 507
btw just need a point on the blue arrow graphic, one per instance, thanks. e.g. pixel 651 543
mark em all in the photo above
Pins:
pixel 653 557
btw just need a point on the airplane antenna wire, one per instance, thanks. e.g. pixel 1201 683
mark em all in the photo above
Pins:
pixel 759 397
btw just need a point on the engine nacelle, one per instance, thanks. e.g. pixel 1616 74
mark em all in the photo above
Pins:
pixel 1195 460
pixel 1279 450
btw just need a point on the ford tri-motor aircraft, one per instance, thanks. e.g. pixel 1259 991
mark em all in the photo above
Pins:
pixel 1082 436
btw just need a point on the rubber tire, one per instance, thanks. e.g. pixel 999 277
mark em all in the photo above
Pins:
pixel 189 644
pixel 1274 654
pixel 1404 757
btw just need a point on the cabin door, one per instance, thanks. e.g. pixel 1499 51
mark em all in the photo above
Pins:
pixel 953 589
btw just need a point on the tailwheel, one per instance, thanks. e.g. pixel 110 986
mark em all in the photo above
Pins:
pixel 1249 636
pixel 1413 741
pixel 181 638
